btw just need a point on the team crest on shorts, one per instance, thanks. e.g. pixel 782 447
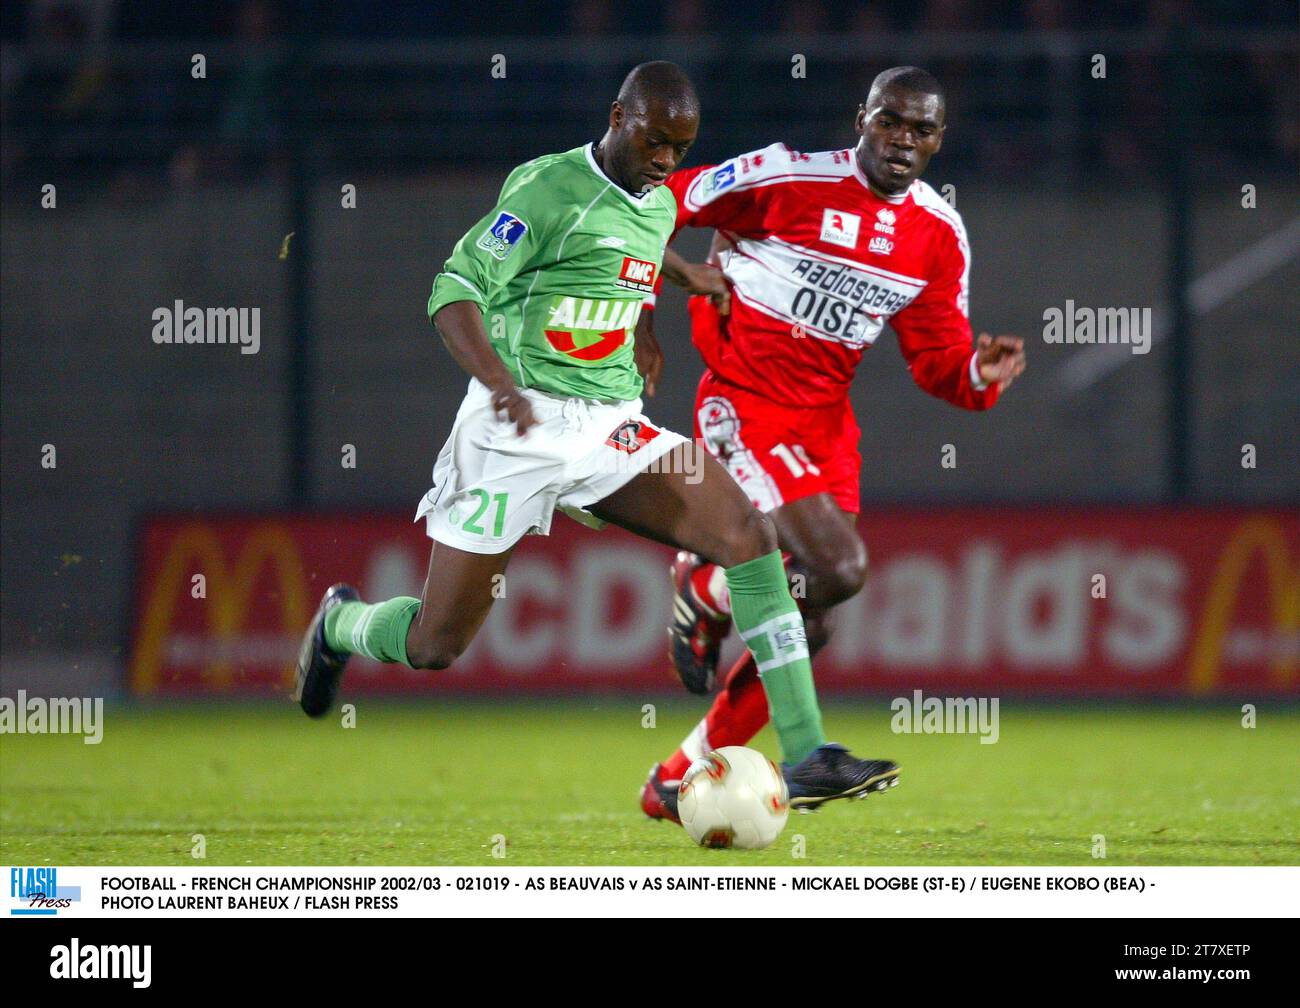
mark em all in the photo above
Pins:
pixel 719 424
pixel 631 436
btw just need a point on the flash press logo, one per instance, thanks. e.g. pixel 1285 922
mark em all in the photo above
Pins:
pixel 38 893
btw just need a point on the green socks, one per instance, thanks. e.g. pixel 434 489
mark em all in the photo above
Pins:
pixel 377 631
pixel 770 624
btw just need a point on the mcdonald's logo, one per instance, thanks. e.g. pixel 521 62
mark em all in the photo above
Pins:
pixel 229 603
pixel 1263 535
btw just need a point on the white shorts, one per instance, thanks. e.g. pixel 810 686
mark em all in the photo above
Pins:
pixel 491 487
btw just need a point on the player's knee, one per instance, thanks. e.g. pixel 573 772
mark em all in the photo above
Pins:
pixel 752 538
pixel 851 573
pixel 837 578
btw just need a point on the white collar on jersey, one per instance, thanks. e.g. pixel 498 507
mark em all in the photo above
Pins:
pixel 861 177
pixel 636 200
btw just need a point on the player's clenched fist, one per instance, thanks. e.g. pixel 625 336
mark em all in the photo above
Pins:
pixel 1000 359
pixel 706 279
pixel 511 404
pixel 700 278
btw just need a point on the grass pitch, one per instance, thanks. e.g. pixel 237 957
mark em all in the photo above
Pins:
pixel 434 783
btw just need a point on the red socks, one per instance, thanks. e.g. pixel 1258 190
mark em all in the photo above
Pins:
pixel 738 713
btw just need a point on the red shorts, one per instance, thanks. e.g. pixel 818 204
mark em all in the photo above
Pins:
pixel 779 454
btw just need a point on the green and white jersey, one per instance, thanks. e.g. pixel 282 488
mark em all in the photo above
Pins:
pixel 560 268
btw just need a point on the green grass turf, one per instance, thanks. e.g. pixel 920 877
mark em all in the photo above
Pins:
pixel 433 783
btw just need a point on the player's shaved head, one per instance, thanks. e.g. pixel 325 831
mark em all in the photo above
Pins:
pixel 905 78
pixel 900 127
pixel 662 83
pixel 652 124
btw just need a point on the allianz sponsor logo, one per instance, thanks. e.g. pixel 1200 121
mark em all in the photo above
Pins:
pixel 26 715
pixel 76 961
pixel 574 313
pixel 178 324
pixel 923 715
pixel 1079 324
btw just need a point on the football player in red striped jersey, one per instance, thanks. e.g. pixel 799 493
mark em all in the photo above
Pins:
pixel 813 254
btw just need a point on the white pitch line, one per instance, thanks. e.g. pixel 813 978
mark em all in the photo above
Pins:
pixel 1093 363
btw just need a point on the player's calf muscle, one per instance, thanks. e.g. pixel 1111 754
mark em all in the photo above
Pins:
pixel 458 594
pixel 438 637
pixel 435 652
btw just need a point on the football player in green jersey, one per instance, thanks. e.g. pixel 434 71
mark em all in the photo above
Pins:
pixel 538 303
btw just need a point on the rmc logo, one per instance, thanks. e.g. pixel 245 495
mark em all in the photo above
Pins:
pixel 637 274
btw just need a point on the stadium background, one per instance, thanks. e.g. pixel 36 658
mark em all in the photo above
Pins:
pixel 1119 191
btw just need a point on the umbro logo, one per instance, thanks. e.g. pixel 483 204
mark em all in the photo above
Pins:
pixel 613 241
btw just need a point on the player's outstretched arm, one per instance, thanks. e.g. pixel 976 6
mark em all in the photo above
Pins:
pixel 698 278
pixel 694 278
pixel 646 353
pixel 461 326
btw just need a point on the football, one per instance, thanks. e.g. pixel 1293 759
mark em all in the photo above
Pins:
pixel 733 797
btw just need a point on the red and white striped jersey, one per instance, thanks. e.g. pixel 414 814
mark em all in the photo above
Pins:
pixel 819 263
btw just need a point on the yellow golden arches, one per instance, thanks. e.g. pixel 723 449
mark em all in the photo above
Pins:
pixel 195 548
pixel 1261 533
